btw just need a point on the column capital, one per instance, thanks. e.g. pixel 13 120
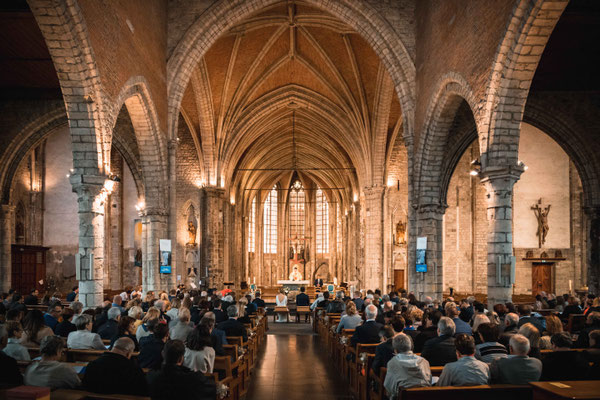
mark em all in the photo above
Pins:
pixel 373 191
pixel 434 208
pixel 87 184
pixel 501 175
pixel 153 212
pixel 214 191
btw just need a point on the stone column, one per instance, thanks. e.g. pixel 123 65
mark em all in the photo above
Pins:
pixel 430 225
pixel 90 260
pixel 154 228
pixel 212 236
pixel 374 237
pixel 7 226
pixel 499 182
pixel 593 249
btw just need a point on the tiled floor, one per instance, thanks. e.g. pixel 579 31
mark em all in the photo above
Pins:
pixel 294 365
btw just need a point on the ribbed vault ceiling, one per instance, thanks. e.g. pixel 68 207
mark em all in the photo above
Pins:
pixel 292 59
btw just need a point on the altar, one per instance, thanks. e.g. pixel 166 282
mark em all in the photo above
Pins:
pixel 293 286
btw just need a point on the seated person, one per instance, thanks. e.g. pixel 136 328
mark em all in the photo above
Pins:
pixel 563 364
pixel 71 296
pixel 199 355
pixel 385 351
pixel 460 325
pixel 441 350
pixel 50 372
pixel 351 320
pixel 51 316
pixel 126 328
pixel 302 299
pixel 367 333
pixel 83 338
pixel 533 335
pixel 217 336
pixel 182 327
pixel 324 302
pixel 32 298
pixel 232 327
pixel 143 329
pixel 519 369
pixel 337 306
pixel 174 381
pixel 34 329
pixel 13 347
pixel 525 317
pixel 260 303
pixel 220 315
pixel 66 326
pixel 467 370
pixel 10 376
pixel 592 324
pixel 110 328
pixel 151 347
pixel 511 320
pixel 405 369
pixel 489 349
pixel 428 329
pixel 115 373
pixel 251 308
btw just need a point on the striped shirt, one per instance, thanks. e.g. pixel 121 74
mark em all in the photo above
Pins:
pixel 489 351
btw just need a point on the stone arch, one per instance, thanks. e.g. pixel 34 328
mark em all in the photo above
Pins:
pixel 453 89
pixel 513 70
pixel 65 32
pixel 356 13
pixel 151 143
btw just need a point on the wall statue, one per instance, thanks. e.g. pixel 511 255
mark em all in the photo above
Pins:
pixel 191 233
pixel 542 217
pixel 400 237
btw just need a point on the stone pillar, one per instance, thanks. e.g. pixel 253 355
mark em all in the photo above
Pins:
pixel 499 182
pixel 154 228
pixel 593 249
pixel 7 234
pixel 374 237
pixel 212 236
pixel 430 225
pixel 91 200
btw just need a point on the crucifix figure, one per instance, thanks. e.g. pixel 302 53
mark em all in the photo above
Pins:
pixel 542 217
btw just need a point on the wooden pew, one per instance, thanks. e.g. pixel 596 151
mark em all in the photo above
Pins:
pixel 487 392
pixel 281 310
pixel 576 323
pixel 303 311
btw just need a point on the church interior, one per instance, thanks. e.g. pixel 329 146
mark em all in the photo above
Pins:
pixel 423 149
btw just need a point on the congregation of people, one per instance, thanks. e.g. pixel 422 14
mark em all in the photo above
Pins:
pixel 474 345
pixel 175 337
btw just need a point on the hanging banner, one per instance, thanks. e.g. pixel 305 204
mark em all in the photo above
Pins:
pixel 421 251
pixel 165 256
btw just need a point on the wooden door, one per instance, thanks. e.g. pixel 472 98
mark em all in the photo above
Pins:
pixel 398 279
pixel 28 268
pixel 541 277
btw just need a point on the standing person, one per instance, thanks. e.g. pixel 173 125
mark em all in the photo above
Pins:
pixel 519 369
pixel 467 370
pixel 50 371
pixel 175 381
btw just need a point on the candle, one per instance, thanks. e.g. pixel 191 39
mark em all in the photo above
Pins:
pixel 254 280
pixel 570 286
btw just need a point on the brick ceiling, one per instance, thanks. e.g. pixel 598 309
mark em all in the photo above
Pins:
pixel 285 50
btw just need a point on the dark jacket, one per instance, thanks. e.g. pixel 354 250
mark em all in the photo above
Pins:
pixel 570 309
pixel 109 329
pixel 64 328
pixel 71 296
pixel 302 300
pixel 218 339
pixel 359 303
pixel 132 337
pixel 439 351
pixel 220 315
pixel 507 334
pixel 251 308
pixel 424 335
pixel 113 373
pixel 335 307
pixel 259 302
pixel 179 382
pixel 583 340
pixel 367 333
pixel 516 370
pixel 10 375
pixel 30 300
pixel 383 353
pixel 150 352
pixel 532 320
pixel 233 327
pixel 564 366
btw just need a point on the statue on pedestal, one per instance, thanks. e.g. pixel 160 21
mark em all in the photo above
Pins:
pixel 295 275
pixel 191 233
pixel 542 217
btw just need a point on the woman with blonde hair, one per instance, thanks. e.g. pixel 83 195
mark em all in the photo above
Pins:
pixel 173 309
pixel 553 325
pixel 533 334
pixel 351 320
pixel 136 313
pixel 142 330
pixel 242 317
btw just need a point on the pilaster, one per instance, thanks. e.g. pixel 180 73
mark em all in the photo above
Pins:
pixel 7 223
pixel 429 224
pixel 593 248
pixel 374 237
pixel 154 228
pixel 213 239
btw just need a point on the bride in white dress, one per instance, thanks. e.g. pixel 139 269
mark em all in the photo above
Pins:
pixel 281 301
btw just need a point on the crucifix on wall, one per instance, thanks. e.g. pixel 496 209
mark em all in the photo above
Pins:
pixel 541 214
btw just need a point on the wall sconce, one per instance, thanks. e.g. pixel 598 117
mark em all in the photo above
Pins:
pixel 475 167
pixel 522 164
pixel 355 198
pixel 140 205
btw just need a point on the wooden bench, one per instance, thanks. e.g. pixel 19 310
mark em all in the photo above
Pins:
pixel 487 392
pixel 279 310
pixel 576 323
pixel 303 311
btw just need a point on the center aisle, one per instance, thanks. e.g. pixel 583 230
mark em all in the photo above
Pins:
pixel 294 365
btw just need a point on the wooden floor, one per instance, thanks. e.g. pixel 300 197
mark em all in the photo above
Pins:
pixel 294 365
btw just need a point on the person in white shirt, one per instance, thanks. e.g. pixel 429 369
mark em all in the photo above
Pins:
pixel 199 355
pixel 14 348
pixel 49 371
pixel 317 301
pixel 405 369
pixel 83 338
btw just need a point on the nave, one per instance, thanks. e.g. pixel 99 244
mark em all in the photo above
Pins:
pixel 294 364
